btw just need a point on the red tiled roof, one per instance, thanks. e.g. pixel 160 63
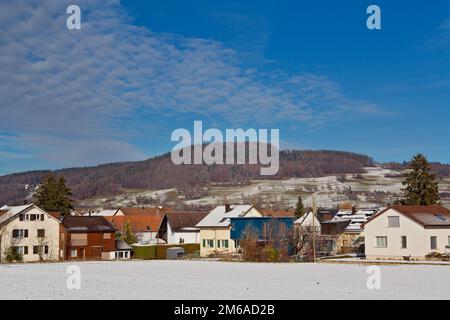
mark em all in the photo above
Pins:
pixel 134 211
pixel 55 214
pixel 426 216
pixel 138 223
pixel 277 213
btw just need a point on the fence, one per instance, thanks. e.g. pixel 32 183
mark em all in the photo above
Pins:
pixel 160 251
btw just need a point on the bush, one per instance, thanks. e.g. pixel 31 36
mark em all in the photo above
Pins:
pixel 270 254
pixel 11 255
pixel 436 256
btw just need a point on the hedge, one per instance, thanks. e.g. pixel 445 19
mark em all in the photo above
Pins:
pixel 160 251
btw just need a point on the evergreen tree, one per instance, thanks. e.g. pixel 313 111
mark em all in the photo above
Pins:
pixel 54 195
pixel 421 186
pixel 127 235
pixel 299 209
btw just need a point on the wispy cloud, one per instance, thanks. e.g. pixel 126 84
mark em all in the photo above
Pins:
pixel 86 93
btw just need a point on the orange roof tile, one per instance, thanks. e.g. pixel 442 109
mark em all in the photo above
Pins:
pixel 138 223
pixel 277 213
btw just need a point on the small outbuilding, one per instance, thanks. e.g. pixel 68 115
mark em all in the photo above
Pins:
pixel 174 253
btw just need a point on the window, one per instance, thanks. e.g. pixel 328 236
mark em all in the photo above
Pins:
pixel 218 243
pixel 33 217
pixel 107 236
pixel 36 250
pixel 20 233
pixel 225 243
pixel 404 242
pixel 41 233
pixel 21 217
pixel 46 249
pixel 78 239
pixel 208 243
pixel 393 222
pixel 433 242
pixel 73 253
pixel 42 217
pixel 381 242
pixel 21 250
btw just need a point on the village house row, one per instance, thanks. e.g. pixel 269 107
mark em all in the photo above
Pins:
pixel 397 232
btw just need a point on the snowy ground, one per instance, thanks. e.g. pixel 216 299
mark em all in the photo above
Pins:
pixel 221 280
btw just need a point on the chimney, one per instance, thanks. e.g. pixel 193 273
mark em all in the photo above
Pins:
pixel 227 207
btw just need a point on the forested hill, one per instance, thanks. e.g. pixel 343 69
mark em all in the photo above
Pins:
pixel 160 173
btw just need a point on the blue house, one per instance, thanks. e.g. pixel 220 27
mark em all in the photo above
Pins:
pixel 265 228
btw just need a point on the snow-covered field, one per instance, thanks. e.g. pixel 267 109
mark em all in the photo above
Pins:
pixel 221 280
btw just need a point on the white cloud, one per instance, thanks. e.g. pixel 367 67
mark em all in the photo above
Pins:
pixel 90 89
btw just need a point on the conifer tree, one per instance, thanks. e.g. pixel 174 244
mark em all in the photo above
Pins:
pixel 54 195
pixel 299 209
pixel 421 186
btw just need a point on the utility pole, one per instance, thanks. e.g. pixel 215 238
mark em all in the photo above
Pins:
pixel 314 212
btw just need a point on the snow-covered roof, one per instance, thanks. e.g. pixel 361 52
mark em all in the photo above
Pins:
pixel 307 220
pixel 218 217
pixel 11 211
pixel 102 213
pixel 357 219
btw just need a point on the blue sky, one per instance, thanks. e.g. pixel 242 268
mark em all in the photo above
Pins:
pixel 137 70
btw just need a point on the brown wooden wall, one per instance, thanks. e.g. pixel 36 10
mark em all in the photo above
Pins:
pixel 96 245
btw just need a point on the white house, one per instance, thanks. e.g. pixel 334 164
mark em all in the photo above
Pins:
pixel 308 220
pixel 408 232
pixel 30 231
pixel 215 228
pixel 181 226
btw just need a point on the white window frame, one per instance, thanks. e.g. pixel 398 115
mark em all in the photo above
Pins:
pixel 393 226
pixel 385 242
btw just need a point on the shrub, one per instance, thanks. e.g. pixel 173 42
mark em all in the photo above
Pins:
pixel 11 255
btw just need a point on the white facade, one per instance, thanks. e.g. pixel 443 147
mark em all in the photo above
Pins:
pixel 308 220
pixel 187 235
pixel 215 229
pixel 31 231
pixel 146 237
pixel 393 235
